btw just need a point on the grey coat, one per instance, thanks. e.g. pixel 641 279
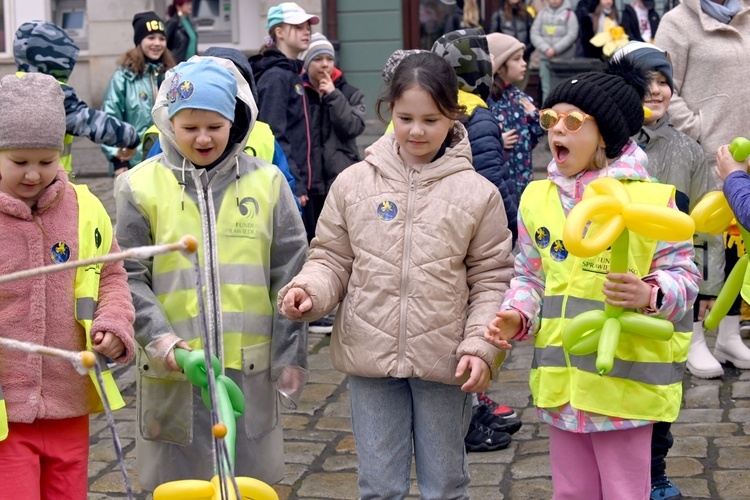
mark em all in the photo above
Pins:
pixel 674 158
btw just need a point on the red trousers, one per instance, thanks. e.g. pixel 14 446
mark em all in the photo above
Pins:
pixel 45 460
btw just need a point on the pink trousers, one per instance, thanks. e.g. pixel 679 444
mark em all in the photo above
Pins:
pixel 609 465
pixel 45 460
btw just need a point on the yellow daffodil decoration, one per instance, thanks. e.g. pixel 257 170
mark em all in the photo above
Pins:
pixel 611 38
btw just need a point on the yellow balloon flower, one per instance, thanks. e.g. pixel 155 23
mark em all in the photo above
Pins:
pixel 611 38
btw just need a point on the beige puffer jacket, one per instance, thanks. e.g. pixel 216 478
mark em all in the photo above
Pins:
pixel 420 256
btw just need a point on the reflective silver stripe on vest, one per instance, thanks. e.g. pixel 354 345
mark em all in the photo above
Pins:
pixel 552 309
pixel 234 322
pixel 229 274
pixel 637 371
pixel 67 149
pixel 1 394
pixel 553 304
pixel 85 308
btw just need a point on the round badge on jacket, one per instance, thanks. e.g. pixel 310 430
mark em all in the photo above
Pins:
pixel 60 252
pixel 387 211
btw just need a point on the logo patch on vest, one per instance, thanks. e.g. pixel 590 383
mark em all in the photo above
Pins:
pixel 97 238
pixel 143 96
pixel 249 207
pixel 387 211
pixel 541 237
pixel 60 252
pixel 558 251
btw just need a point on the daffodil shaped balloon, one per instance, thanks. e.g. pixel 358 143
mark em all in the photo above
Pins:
pixel 606 202
pixel 611 38
pixel 231 405
pixel 713 215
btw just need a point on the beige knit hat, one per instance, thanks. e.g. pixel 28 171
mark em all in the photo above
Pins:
pixel 33 112
pixel 502 47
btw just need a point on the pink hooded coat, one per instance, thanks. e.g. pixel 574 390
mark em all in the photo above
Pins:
pixel 41 309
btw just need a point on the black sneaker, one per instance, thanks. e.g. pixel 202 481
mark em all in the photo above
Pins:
pixel 481 438
pixel 322 325
pixel 483 415
pixel 663 489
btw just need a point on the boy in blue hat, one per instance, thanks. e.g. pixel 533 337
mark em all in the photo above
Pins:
pixel 251 243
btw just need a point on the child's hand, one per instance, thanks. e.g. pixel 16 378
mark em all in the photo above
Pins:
pixel 479 373
pixel 325 86
pixel 296 302
pixel 504 327
pixel 550 53
pixel 108 344
pixel 528 106
pixel 726 164
pixel 627 290
pixel 171 362
pixel 510 138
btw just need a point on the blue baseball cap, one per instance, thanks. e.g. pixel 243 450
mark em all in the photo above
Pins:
pixel 202 84
pixel 289 13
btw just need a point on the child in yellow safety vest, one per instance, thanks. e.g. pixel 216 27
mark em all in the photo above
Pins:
pixel 44 423
pixel 251 243
pixel 600 425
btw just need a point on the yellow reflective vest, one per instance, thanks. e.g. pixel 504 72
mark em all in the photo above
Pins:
pixel 646 380
pixel 94 240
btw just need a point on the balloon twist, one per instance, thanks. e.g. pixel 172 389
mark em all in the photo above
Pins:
pixel 713 215
pixel 606 202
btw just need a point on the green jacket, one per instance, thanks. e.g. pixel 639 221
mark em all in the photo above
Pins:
pixel 129 98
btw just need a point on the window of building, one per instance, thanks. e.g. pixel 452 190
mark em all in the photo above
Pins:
pixel 2 26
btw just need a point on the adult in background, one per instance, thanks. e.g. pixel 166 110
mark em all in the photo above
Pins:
pixel 710 104
pixel 513 19
pixel 182 39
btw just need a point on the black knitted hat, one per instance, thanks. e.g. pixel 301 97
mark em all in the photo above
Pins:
pixel 614 98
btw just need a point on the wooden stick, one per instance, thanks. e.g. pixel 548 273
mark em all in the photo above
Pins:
pixel 186 244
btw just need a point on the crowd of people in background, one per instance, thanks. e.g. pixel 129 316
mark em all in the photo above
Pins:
pixel 197 140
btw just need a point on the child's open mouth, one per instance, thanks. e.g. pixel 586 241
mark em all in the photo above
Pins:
pixel 204 151
pixel 561 153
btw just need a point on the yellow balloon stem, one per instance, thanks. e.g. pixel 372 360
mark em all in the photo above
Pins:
pixel 88 359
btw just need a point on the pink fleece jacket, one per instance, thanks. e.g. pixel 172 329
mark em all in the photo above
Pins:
pixel 41 309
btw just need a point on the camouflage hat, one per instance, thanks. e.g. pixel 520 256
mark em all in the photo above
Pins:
pixel 467 51
pixel 42 47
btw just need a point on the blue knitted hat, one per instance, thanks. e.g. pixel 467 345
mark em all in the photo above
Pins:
pixel 202 84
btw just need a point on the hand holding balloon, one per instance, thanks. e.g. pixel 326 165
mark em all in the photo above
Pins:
pixel 728 162
pixel 626 290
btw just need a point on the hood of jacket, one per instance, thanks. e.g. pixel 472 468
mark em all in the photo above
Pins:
pixel 467 51
pixel 239 60
pixel 246 112
pixel 273 58
pixel 42 47
pixel 630 165
pixel 384 156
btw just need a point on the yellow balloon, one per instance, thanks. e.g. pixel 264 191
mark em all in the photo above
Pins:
pixel 712 214
pixel 605 355
pixel 577 329
pixel 659 223
pixel 186 489
pixel 579 217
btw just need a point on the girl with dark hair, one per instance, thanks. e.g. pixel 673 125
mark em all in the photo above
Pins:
pixel 417 266
pixel 132 89
pixel 182 39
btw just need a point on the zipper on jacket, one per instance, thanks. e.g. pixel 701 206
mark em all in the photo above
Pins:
pixel 309 146
pixel 411 195
pixel 214 318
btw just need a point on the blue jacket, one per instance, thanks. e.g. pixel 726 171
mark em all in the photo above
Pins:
pixel 489 160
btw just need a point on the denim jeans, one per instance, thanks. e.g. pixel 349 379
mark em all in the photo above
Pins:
pixel 388 415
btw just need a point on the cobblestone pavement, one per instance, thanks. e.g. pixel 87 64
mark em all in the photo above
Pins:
pixel 709 459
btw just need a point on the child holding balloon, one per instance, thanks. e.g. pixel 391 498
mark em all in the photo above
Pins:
pixel 251 242
pixel 600 425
